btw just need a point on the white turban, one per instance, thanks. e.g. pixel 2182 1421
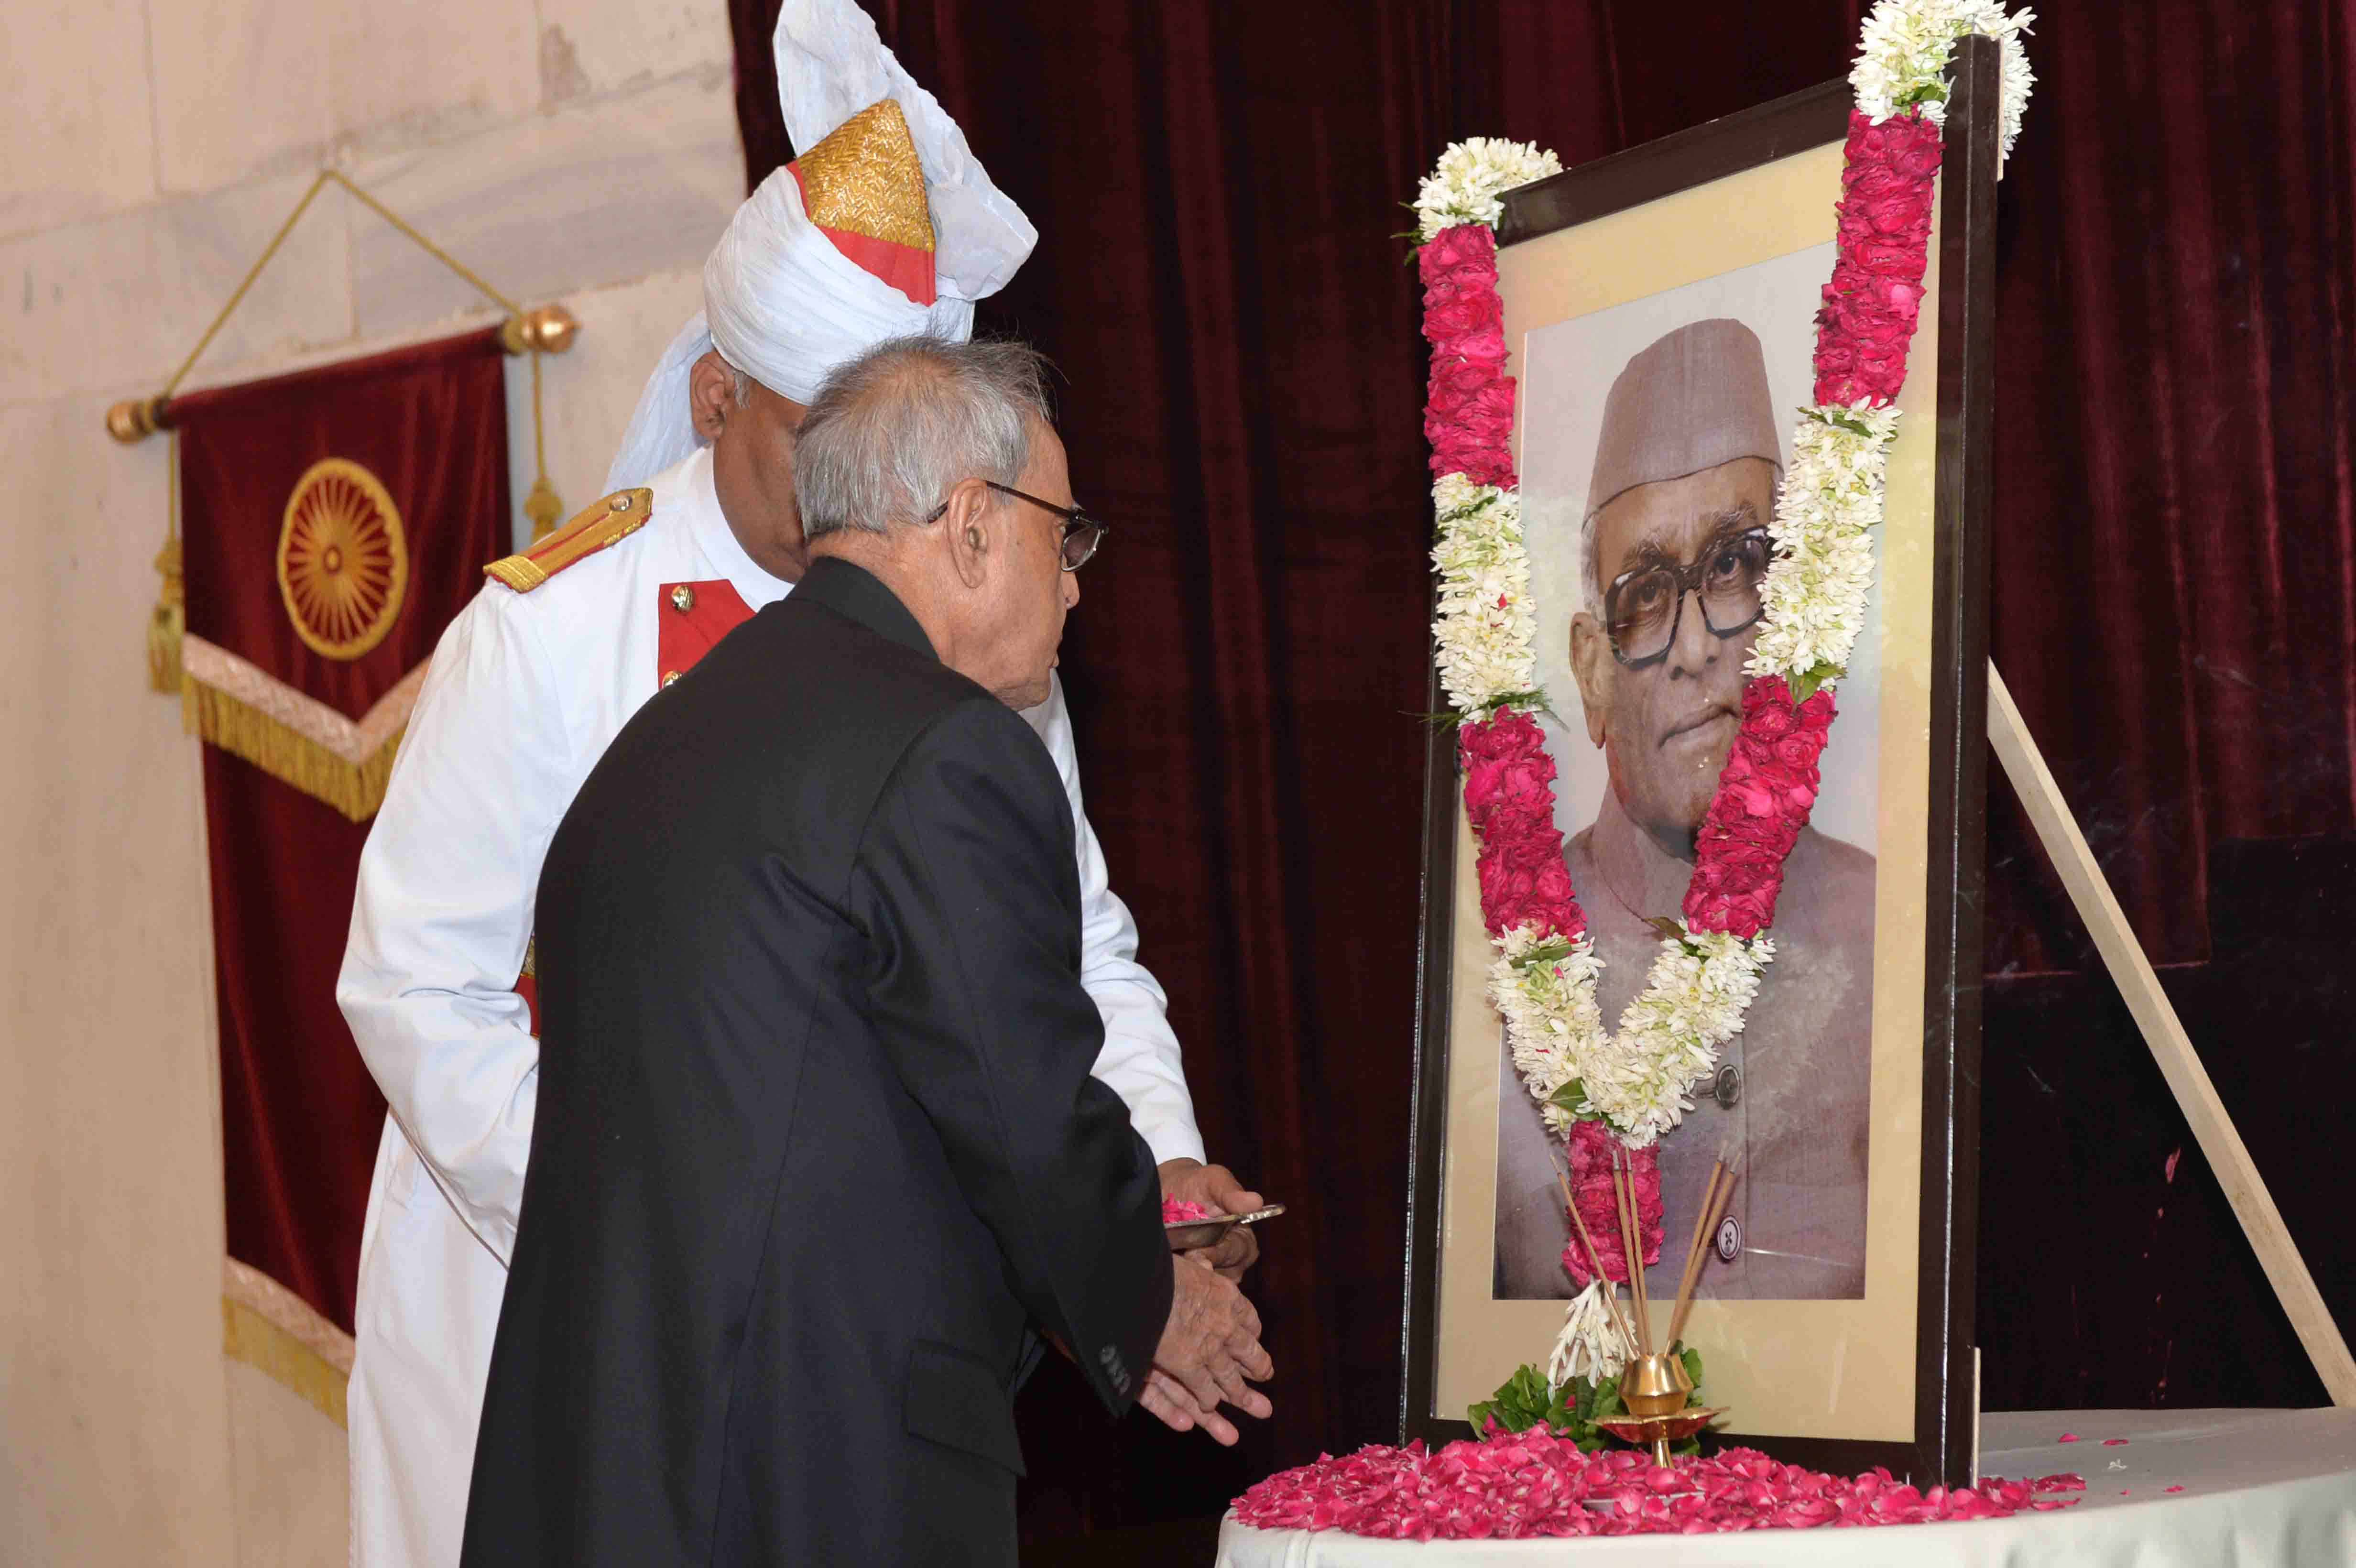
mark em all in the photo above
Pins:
pixel 781 301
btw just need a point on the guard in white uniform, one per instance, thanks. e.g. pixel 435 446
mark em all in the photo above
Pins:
pixel 529 686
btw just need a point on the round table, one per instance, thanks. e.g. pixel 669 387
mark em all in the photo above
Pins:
pixel 2259 1487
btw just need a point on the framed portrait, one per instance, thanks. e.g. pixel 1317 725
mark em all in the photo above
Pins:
pixel 1660 315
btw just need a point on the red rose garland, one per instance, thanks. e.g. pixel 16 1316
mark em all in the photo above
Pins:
pixel 1468 418
pixel 1509 798
pixel 1767 788
pixel 1764 794
pixel 1868 320
pixel 1590 1184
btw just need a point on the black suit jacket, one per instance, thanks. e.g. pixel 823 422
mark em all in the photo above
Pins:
pixel 816 1145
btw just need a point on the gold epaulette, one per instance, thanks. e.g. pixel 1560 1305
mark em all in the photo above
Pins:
pixel 611 520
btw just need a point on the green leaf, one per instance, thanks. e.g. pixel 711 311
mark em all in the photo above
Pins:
pixel 1520 1403
pixel 1669 929
pixel 1448 720
pixel 1810 681
pixel 1527 701
pixel 1544 954
pixel 1572 1098
pixel 1692 1359
pixel 1840 419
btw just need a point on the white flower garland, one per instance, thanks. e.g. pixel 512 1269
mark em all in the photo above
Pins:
pixel 1816 587
pixel 1902 56
pixel 1470 184
pixel 1590 1345
pixel 1639 1077
pixel 1486 630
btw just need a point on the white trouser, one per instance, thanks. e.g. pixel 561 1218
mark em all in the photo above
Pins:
pixel 428 1309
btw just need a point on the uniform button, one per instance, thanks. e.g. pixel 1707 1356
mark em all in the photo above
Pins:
pixel 683 598
pixel 621 502
pixel 1729 1240
pixel 669 676
pixel 1728 1088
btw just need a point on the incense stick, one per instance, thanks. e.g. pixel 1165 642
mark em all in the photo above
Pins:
pixel 1595 1258
pixel 1627 1254
pixel 1623 1193
pixel 1724 1196
pixel 1687 1281
pixel 1690 1279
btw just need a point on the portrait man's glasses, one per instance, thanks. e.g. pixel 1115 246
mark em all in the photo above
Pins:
pixel 1643 605
pixel 1082 533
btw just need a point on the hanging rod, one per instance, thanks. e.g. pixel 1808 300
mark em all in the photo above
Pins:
pixel 544 329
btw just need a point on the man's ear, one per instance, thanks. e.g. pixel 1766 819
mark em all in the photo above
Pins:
pixel 1592 665
pixel 968 531
pixel 711 395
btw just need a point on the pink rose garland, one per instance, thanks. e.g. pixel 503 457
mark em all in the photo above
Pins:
pixel 1590 1183
pixel 1767 788
pixel 1469 419
pixel 1509 798
pixel 1867 323
pixel 1764 794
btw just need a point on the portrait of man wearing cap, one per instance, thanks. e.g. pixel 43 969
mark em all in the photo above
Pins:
pixel 1671 544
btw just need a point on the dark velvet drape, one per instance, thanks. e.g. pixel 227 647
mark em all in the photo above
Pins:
pixel 2175 600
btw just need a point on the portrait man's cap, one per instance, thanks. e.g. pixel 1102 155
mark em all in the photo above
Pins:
pixel 885 225
pixel 1694 399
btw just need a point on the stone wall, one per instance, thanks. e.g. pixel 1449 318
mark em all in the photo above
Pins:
pixel 577 151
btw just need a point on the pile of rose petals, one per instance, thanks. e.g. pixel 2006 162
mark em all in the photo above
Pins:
pixel 1176 1210
pixel 1533 1483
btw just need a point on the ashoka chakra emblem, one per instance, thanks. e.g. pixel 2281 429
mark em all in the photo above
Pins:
pixel 342 565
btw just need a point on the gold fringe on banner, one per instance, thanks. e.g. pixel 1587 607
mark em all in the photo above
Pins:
pixel 272 1330
pixel 356 789
pixel 232 705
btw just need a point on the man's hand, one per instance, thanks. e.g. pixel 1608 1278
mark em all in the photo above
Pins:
pixel 1215 1187
pixel 1210 1347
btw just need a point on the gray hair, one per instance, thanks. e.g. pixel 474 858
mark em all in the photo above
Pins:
pixel 740 384
pixel 891 432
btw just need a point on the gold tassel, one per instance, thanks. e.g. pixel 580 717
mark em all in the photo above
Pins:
pixel 356 789
pixel 542 506
pixel 166 622
pixel 170 616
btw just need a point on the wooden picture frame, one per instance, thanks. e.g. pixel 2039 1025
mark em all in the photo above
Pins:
pixel 1949 592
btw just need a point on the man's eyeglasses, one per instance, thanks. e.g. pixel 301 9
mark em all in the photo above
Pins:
pixel 1082 533
pixel 1645 604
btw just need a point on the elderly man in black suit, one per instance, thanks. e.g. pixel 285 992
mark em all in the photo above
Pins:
pixel 818 1162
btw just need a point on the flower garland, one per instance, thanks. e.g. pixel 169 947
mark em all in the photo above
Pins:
pixel 1635 1083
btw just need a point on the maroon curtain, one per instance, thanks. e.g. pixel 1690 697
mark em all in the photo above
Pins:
pixel 300 1115
pixel 1215 186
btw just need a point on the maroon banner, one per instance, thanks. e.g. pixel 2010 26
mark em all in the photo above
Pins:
pixel 334 521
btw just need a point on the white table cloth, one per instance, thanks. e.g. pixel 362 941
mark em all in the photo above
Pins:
pixel 2261 1487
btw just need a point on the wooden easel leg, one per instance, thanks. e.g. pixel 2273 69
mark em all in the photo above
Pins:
pixel 2170 1046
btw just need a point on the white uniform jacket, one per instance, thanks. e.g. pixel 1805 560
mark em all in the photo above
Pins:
pixel 525 692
